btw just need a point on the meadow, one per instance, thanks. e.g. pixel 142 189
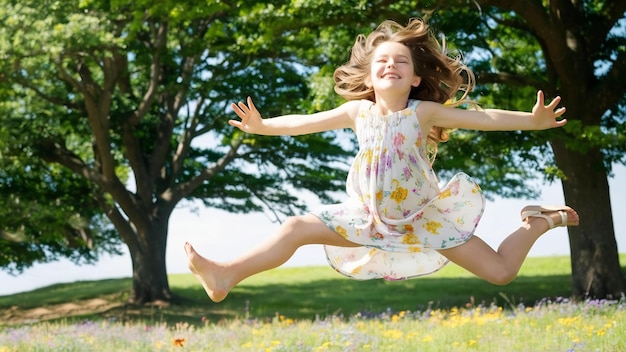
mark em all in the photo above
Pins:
pixel 315 309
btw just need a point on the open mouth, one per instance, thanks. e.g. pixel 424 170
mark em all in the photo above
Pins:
pixel 390 76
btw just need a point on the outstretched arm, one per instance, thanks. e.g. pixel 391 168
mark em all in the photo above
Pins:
pixel 541 117
pixel 292 125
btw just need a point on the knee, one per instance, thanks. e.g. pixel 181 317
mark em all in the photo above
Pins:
pixel 292 224
pixel 502 277
pixel 292 230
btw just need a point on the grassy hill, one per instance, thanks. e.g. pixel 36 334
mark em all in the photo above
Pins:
pixel 297 293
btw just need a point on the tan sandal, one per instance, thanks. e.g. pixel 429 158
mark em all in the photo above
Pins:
pixel 539 210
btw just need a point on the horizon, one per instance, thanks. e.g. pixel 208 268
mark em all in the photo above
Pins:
pixel 187 225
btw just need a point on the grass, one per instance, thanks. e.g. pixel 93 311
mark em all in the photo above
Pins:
pixel 553 327
pixel 310 292
pixel 316 309
pixel 314 292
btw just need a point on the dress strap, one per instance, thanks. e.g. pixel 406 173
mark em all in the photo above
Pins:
pixel 365 105
pixel 413 104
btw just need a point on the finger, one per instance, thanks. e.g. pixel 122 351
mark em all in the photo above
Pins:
pixel 235 123
pixel 559 112
pixel 540 100
pixel 243 108
pixel 561 123
pixel 554 103
pixel 251 104
pixel 238 107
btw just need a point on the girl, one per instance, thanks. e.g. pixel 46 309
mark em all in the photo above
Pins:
pixel 397 222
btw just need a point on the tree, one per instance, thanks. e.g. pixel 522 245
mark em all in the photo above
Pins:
pixel 45 215
pixel 146 80
pixel 573 49
pixel 109 90
pixel 582 47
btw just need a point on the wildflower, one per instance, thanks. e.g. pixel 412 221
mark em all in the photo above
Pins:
pixel 393 334
pixel 179 342
pixel 324 346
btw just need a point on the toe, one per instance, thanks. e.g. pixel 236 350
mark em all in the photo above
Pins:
pixel 189 249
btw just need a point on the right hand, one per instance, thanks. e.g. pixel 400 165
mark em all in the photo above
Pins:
pixel 251 120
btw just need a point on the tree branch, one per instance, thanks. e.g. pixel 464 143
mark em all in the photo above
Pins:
pixel 188 134
pixel 186 188
pixel 510 79
pixel 122 225
pixel 160 42
pixel 611 88
pixel 54 152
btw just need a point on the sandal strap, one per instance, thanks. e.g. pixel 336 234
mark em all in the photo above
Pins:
pixel 540 212
pixel 548 219
pixel 563 218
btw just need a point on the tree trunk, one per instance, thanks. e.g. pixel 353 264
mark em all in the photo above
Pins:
pixel 150 283
pixel 596 271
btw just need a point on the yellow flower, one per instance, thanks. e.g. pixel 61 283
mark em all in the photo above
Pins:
pixel 379 195
pixel 368 156
pixel 393 334
pixel 410 238
pixel 433 227
pixel 399 194
pixel 341 231
pixel 324 346
pixel 179 342
pixel 445 194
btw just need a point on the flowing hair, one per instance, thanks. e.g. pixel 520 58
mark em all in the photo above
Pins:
pixel 445 79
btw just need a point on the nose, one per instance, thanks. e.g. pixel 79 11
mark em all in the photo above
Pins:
pixel 391 63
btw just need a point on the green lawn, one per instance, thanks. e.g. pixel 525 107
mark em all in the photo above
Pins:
pixel 316 309
pixel 317 292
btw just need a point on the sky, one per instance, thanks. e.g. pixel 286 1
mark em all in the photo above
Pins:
pixel 222 236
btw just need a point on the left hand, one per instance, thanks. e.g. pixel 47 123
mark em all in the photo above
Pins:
pixel 545 116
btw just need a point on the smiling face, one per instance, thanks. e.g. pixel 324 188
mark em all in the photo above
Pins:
pixel 392 69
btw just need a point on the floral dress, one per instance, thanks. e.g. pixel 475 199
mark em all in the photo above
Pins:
pixel 395 207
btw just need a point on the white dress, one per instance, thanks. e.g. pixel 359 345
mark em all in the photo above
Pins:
pixel 395 207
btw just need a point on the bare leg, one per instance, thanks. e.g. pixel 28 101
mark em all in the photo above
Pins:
pixel 219 278
pixel 501 267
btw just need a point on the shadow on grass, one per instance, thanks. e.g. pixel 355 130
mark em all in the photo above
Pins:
pixel 345 297
pixel 309 293
pixel 67 292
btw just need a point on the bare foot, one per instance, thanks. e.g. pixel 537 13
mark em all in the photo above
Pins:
pixel 207 273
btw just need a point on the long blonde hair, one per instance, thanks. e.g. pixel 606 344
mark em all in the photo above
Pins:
pixel 445 79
